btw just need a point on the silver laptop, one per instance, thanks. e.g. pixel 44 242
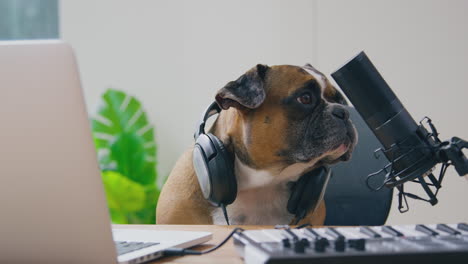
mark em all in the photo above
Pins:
pixel 52 202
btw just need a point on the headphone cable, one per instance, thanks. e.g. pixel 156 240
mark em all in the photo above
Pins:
pixel 223 206
pixel 184 251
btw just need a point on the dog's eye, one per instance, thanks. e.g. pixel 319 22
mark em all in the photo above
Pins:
pixel 305 98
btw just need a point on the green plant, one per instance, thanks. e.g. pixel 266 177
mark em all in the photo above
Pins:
pixel 124 140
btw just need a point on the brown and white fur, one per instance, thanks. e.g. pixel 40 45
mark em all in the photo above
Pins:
pixel 274 138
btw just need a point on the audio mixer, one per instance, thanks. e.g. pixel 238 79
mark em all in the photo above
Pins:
pixel 420 243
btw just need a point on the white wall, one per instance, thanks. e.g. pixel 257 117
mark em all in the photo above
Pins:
pixel 174 55
pixel 421 49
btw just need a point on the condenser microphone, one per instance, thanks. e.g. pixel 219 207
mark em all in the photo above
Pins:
pixel 412 149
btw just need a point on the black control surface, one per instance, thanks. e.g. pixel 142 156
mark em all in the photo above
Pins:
pixel 439 243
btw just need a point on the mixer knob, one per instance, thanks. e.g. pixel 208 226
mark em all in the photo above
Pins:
pixel 286 243
pixel 320 244
pixel 358 244
pixel 299 246
pixel 305 242
pixel 340 244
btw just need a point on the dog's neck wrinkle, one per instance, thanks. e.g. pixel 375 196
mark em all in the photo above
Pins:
pixel 249 178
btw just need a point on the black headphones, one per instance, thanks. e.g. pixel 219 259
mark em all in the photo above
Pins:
pixel 213 164
pixel 308 191
pixel 214 169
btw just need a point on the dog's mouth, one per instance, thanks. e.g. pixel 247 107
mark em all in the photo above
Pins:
pixel 349 144
pixel 319 154
pixel 341 153
pixel 344 150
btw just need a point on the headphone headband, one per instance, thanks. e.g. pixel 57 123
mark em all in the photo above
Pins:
pixel 209 112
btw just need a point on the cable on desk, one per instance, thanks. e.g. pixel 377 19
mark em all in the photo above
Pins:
pixel 303 226
pixel 183 251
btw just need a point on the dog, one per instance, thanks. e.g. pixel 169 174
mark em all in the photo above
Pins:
pixel 278 123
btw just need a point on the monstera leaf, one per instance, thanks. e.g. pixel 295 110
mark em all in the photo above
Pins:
pixel 124 140
pixel 121 125
pixel 122 193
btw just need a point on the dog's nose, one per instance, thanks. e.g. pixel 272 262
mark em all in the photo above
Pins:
pixel 341 113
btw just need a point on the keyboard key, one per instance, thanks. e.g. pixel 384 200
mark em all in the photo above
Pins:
pixel 312 232
pixel 351 232
pixel 447 229
pixel 292 234
pixel 463 226
pixel 409 231
pixel 269 235
pixel 323 233
pixel 426 230
pixel 368 231
pixel 334 233
pixel 391 231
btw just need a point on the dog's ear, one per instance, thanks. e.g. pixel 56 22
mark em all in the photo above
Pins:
pixel 247 91
pixel 309 66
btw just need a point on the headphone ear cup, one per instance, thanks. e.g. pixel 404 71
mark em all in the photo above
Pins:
pixel 308 191
pixel 214 169
pixel 203 151
pixel 297 189
pixel 224 183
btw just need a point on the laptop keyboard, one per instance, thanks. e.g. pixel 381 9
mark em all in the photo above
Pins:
pixel 124 247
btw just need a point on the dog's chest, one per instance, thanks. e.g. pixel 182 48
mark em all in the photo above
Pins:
pixel 262 197
pixel 259 206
